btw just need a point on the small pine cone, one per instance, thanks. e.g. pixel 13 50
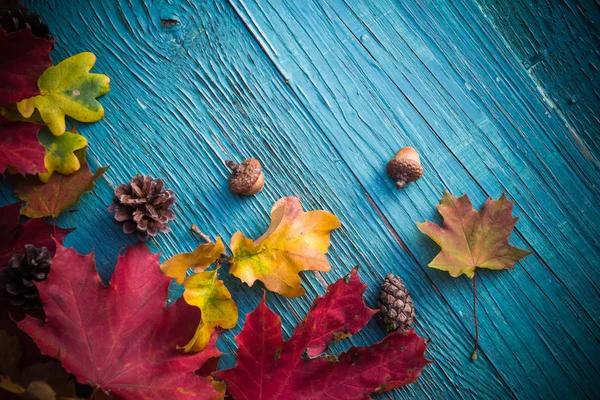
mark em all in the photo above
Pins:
pixel 22 270
pixel 143 206
pixel 16 18
pixel 397 310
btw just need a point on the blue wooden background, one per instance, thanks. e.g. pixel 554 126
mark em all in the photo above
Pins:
pixel 324 93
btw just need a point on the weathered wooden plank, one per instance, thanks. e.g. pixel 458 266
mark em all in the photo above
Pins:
pixel 557 42
pixel 380 75
pixel 185 98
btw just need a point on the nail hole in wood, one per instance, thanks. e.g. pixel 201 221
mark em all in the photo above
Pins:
pixel 168 22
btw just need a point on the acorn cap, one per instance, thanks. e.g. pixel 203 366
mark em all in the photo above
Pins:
pixel 405 167
pixel 246 178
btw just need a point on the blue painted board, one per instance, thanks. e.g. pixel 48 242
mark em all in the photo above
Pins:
pixel 558 43
pixel 324 93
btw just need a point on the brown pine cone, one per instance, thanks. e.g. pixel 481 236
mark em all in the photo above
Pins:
pixel 16 18
pixel 22 270
pixel 143 206
pixel 397 310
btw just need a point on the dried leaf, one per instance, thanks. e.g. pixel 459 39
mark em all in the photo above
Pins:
pixel 199 259
pixel 68 89
pixel 58 194
pixel 269 368
pixel 50 373
pixel 120 338
pixel 209 294
pixel 14 236
pixel 24 58
pixel 10 354
pixel 60 156
pixel 473 239
pixel 295 241
pixel 19 147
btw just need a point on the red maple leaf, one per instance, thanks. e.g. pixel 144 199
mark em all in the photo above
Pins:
pixel 120 338
pixel 14 236
pixel 19 147
pixel 24 58
pixel 269 368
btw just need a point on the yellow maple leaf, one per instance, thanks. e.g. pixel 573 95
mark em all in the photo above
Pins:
pixel 473 239
pixel 218 309
pixel 199 259
pixel 295 241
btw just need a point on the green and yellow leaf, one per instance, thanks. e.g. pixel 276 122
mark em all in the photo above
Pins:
pixel 205 291
pixel 68 89
pixel 295 241
pixel 60 156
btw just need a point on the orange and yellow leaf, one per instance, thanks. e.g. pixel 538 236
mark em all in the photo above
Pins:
pixel 295 241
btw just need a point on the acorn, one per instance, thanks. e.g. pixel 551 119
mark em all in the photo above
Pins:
pixel 246 178
pixel 405 167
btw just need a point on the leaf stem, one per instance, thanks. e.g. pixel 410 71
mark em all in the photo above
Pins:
pixel 474 355
pixel 94 393
pixel 203 236
pixel 224 258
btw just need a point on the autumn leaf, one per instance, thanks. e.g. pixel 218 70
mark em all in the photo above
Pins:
pixel 19 147
pixel 209 294
pixel 199 260
pixel 40 377
pixel 268 368
pixel 121 339
pixel 24 58
pixel 60 156
pixel 58 194
pixel 473 239
pixel 14 236
pixel 295 241
pixel 68 89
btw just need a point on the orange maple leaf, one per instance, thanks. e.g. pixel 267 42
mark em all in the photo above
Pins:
pixel 473 239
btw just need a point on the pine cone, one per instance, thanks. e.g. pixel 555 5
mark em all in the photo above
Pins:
pixel 143 206
pixel 397 310
pixel 22 270
pixel 16 18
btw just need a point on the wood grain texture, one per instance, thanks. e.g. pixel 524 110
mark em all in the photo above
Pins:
pixel 558 43
pixel 324 93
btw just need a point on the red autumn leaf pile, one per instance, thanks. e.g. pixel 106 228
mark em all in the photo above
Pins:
pixel 14 236
pixel 270 368
pixel 120 339
pixel 24 58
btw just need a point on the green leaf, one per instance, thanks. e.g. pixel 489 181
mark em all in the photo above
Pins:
pixel 60 156
pixel 68 89
pixel 58 194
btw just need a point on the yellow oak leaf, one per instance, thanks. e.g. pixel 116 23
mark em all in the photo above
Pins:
pixel 60 156
pixel 199 259
pixel 205 291
pixel 295 241
pixel 473 239
pixel 68 88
